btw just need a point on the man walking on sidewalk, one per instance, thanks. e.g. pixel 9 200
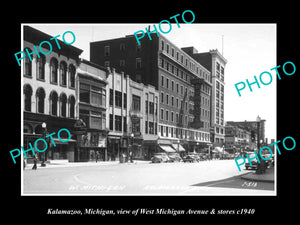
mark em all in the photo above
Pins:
pixel 34 162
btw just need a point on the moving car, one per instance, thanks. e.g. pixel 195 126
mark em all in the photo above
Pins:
pixel 160 158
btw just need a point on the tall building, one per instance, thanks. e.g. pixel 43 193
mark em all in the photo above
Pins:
pixel 215 63
pixel 49 93
pixel 184 85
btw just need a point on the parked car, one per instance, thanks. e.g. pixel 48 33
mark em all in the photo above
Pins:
pixel 190 158
pixel 160 158
pixel 174 157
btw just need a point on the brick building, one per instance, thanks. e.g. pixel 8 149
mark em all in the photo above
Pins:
pixel 184 85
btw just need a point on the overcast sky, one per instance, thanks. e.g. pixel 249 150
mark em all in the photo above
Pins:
pixel 249 49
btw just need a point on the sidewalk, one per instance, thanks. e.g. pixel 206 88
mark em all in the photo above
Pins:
pixel 268 176
pixel 58 164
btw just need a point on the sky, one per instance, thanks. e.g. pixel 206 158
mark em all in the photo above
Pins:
pixel 250 49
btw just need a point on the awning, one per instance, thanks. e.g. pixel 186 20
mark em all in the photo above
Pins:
pixel 167 148
pixel 181 149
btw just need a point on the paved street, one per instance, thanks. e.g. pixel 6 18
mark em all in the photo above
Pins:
pixel 217 177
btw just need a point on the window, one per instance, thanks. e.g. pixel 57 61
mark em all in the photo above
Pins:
pixel 161 114
pixel 41 67
pixel 118 123
pixel 72 72
pixel 138 63
pixel 40 95
pixel 172 116
pixel 72 106
pixel 172 85
pixel 136 103
pixel 162 45
pixel 106 50
pixel 122 62
pixel 28 65
pixel 63 105
pixel 118 98
pixel 172 52
pixel 111 122
pixel 177 88
pixel 167 99
pixel 63 73
pixel 124 124
pixel 138 78
pixel 53 70
pixel 167 115
pixel 172 100
pixel 177 55
pixel 111 97
pixel 167 82
pixel 125 100
pixel 53 103
pixel 122 47
pixel 168 48
pixel 27 90
pixel 146 127
pixel 151 108
pixel 146 106
pixel 151 127
pixel 162 80
pixel 162 97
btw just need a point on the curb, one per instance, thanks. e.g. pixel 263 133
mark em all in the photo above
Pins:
pixel 253 177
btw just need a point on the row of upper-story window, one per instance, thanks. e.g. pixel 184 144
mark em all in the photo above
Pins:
pixel 61 105
pixel 182 58
pixel 176 117
pixel 178 88
pixel 173 101
pixel 181 74
pixel 150 106
pixel 175 132
pixel 61 70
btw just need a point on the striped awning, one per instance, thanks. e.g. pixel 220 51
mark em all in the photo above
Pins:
pixel 167 148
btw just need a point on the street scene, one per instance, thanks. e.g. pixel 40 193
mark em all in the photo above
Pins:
pixel 212 177
pixel 145 118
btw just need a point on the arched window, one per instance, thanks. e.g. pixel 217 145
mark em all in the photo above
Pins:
pixel 53 70
pixel 40 67
pixel 28 65
pixel 72 72
pixel 63 73
pixel 27 91
pixel 53 103
pixel 72 106
pixel 40 97
pixel 63 105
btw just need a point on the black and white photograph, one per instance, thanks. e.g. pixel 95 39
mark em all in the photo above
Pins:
pixel 149 112
pixel 172 112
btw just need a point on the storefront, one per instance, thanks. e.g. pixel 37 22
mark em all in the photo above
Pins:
pixel 92 146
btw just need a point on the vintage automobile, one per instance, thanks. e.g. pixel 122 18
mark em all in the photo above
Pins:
pixel 174 157
pixel 160 158
pixel 190 157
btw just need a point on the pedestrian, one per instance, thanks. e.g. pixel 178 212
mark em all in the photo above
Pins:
pixel 24 163
pixel 130 157
pixel 97 156
pixel 34 162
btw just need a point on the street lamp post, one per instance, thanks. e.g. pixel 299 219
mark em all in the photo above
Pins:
pixel 44 126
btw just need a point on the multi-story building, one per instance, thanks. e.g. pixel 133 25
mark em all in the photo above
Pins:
pixel 92 104
pixel 184 85
pixel 49 93
pixel 215 63
pixel 238 139
pixel 256 129
pixel 133 117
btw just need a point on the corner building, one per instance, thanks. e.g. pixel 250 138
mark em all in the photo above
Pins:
pixel 49 94
pixel 183 84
